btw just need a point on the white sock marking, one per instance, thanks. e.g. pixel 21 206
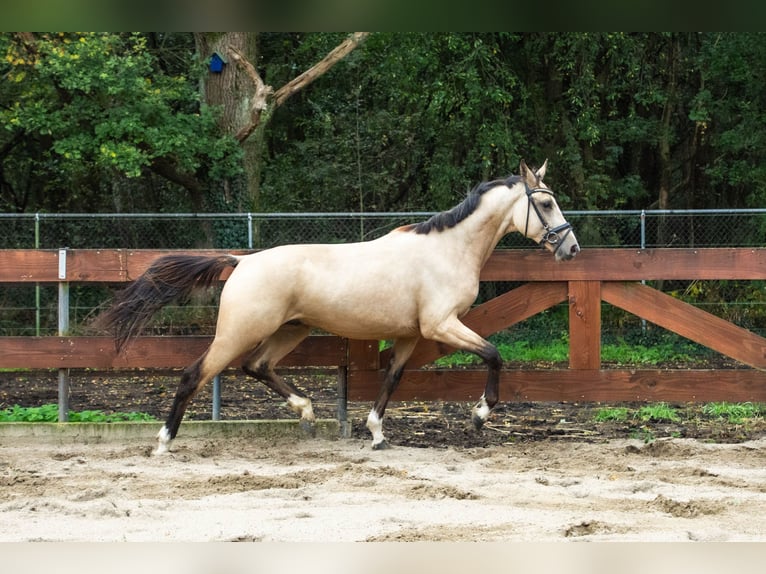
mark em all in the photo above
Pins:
pixel 375 426
pixel 481 409
pixel 163 441
pixel 301 406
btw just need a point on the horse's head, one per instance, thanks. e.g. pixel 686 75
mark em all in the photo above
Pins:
pixel 542 218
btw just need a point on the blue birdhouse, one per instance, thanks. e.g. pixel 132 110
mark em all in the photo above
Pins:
pixel 217 62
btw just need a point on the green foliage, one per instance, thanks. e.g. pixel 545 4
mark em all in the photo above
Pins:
pixel 611 414
pixel 43 414
pixel 658 412
pixel 558 351
pixel 97 105
pixel 625 354
pixel 408 121
pixel 735 413
pixel 49 414
pixel 415 120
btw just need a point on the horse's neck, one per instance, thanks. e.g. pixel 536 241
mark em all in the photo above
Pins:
pixel 481 231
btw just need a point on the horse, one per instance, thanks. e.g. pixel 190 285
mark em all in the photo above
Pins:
pixel 414 282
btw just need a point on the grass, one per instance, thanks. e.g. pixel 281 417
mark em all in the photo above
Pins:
pixel 735 413
pixel 611 414
pixel 658 412
pixel 557 351
pixel 50 414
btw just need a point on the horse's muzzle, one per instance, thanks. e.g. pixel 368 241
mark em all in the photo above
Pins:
pixel 561 241
pixel 567 254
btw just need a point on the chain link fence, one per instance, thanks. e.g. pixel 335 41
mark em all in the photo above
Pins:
pixel 656 228
pixel 26 310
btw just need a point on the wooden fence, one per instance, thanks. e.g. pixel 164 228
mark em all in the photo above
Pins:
pixel 610 275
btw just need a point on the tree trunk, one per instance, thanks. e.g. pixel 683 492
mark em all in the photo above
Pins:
pixel 247 102
pixel 231 91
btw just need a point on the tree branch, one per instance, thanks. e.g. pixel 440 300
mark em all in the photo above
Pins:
pixel 264 95
pixel 168 169
pixel 320 68
pixel 260 97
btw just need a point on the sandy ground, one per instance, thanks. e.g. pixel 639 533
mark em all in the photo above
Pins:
pixel 339 490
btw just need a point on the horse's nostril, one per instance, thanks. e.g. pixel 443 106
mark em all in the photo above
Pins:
pixel 575 249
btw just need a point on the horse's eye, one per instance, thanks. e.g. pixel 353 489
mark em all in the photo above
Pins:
pixel 547 204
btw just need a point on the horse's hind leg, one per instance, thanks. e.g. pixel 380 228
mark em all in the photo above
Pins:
pixel 402 351
pixel 212 362
pixel 260 365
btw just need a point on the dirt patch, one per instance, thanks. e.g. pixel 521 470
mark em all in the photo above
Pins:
pixel 417 424
pixel 323 490
pixel 537 472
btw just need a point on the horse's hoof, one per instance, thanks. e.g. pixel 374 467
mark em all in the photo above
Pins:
pixel 382 445
pixel 308 428
pixel 477 421
pixel 163 442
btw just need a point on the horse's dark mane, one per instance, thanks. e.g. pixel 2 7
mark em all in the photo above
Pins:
pixel 450 218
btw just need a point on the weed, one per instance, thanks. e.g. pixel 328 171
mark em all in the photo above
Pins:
pixel 644 434
pixel 50 413
pixel 611 414
pixel 735 413
pixel 658 412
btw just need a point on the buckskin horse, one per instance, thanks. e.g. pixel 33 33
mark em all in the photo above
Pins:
pixel 416 281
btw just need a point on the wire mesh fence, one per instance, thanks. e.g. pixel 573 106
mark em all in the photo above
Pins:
pixel 657 228
pixel 26 310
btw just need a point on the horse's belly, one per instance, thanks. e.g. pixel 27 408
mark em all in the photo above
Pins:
pixel 364 321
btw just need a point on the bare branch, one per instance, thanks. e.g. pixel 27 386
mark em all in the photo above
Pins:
pixel 320 68
pixel 265 95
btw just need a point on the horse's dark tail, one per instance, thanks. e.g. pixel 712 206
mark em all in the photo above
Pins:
pixel 169 278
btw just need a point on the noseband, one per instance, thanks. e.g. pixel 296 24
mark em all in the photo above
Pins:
pixel 551 236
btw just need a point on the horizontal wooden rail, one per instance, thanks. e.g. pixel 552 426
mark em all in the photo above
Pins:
pixel 84 265
pixel 627 265
pixel 608 385
pixel 119 265
pixel 146 352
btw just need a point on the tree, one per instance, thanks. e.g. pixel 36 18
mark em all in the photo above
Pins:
pixel 411 122
pixel 96 109
pixel 415 120
pixel 247 103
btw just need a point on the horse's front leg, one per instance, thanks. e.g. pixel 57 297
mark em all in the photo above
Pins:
pixel 488 400
pixel 454 333
pixel 402 350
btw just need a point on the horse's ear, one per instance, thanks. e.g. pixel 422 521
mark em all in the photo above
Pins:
pixel 527 175
pixel 540 173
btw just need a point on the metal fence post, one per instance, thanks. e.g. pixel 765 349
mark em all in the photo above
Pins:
pixel 643 246
pixel 37 285
pixel 345 427
pixel 216 416
pixel 63 330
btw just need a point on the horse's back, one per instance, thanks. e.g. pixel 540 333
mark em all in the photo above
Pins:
pixel 364 289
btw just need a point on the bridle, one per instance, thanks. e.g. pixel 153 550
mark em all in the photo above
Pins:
pixel 551 236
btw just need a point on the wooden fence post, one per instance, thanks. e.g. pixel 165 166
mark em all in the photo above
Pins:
pixel 585 325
